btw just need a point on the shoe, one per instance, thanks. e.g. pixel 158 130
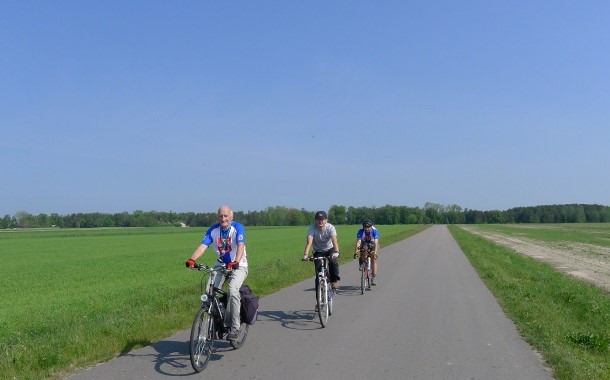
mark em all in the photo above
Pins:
pixel 233 335
pixel 374 281
pixel 335 285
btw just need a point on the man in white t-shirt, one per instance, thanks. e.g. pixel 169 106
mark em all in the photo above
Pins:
pixel 322 236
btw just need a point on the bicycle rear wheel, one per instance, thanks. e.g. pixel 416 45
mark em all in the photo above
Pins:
pixel 202 339
pixel 241 338
pixel 322 299
pixel 331 294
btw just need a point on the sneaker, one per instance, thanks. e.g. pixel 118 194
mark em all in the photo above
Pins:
pixel 335 285
pixel 233 335
pixel 374 281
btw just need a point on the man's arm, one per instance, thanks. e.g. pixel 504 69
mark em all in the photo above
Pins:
pixel 307 247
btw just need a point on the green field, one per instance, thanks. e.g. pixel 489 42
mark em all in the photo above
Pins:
pixel 566 320
pixel 71 298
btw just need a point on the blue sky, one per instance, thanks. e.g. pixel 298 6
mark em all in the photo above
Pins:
pixel 111 106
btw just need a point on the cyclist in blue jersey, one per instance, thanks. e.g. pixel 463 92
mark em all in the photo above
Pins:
pixel 367 240
pixel 229 241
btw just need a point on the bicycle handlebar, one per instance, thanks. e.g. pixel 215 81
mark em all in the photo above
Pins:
pixel 206 268
pixel 316 258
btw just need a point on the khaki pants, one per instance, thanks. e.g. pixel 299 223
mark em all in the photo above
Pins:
pixel 234 299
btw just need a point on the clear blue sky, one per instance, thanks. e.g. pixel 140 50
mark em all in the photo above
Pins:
pixel 110 106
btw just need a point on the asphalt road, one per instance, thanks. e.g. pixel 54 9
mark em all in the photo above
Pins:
pixel 430 317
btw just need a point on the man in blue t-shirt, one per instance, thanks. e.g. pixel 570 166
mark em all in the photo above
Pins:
pixel 367 241
pixel 229 241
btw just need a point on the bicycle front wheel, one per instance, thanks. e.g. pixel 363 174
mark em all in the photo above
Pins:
pixel 362 277
pixel 202 340
pixel 322 298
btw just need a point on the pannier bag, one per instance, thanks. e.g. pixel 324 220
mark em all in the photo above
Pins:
pixel 249 305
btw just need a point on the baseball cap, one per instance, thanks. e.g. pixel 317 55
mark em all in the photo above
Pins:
pixel 321 215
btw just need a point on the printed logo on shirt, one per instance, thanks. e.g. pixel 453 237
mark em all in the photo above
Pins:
pixel 224 245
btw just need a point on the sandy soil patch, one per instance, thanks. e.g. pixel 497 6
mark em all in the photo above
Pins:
pixel 588 262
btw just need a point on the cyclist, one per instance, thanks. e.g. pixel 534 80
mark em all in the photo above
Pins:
pixel 229 241
pixel 323 237
pixel 367 240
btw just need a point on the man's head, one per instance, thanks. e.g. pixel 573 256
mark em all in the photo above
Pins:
pixel 225 216
pixel 321 218
pixel 367 224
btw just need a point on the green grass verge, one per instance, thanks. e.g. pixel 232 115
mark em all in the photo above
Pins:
pixel 566 320
pixel 71 298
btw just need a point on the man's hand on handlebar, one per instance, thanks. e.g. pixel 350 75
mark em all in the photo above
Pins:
pixel 305 257
pixel 190 263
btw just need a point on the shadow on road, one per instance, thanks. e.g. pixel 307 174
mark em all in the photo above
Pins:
pixel 344 290
pixel 295 320
pixel 172 357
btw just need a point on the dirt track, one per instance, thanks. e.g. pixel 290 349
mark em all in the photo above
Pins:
pixel 588 262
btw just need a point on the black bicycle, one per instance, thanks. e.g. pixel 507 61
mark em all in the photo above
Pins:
pixel 209 321
pixel 365 271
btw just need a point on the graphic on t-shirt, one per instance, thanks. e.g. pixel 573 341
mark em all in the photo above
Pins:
pixel 224 245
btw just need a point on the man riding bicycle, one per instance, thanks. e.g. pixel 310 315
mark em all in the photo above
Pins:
pixel 229 241
pixel 323 237
pixel 367 242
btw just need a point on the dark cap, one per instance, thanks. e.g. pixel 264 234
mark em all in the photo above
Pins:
pixel 321 215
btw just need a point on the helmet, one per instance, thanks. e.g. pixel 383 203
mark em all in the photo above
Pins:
pixel 320 215
pixel 367 223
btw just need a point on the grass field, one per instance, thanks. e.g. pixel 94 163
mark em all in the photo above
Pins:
pixel 565 319
pixel 71 298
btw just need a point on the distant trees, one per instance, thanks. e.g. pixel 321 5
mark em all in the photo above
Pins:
pixel 431 213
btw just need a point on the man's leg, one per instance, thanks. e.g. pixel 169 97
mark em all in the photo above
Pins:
pixel 233 305
pixel 333 268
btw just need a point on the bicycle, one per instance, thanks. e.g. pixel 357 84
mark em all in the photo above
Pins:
pixel 208 324
pixel 365 272
pixel 324 292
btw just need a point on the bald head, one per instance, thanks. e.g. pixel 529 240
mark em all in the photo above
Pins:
pixel 225 216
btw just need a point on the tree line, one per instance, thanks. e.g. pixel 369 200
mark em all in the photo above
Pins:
pixel 431 213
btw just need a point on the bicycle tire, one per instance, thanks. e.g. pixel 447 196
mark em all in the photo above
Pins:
pixel 241 338
pixel 362 277
pixel 368 274
pixel 331 295
pixel 202 339
pixel 322 299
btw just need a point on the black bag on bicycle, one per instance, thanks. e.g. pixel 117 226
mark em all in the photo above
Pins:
pixel 249 305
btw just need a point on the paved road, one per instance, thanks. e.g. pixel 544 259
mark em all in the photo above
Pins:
pixel 430 317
